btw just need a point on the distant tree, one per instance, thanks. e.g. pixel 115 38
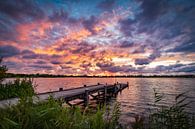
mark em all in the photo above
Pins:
pixel 3 70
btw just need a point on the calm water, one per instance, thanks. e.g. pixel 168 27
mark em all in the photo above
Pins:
pixel 138 99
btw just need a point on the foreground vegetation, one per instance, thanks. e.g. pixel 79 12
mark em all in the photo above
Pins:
pixel 172 117
pixel 17 88
pixel 52 115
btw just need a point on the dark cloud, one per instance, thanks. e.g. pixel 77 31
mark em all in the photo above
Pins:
pixel 187 69
pixel 90 23
pixel 152 9
pixel 110 67
pixel 142 61
pixel 7 33
pixel 62 47
pixel 48 67
pixel 8 51
pixel 138 50
pixel 104 64
pixel 69 62
pixel 162 68
pixel 145 61
pixel 86 64
pixel 10 64
pixel 185 47
pixel 14 12
pixel 59 16
pixel 184 68
pixel 126 26
pixel 55 62
pixel 40 62
pixel 65 67
pixel 106 4
pixel 82 48
pixel 26 51
pixel 27 54
pixel 126 44
pixel 20 9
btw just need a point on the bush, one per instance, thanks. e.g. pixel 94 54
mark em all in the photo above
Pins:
pixel 17 88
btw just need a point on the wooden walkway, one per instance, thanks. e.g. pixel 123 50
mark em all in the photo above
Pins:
pixel 97 92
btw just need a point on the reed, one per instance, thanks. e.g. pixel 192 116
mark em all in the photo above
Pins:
pixel 174 116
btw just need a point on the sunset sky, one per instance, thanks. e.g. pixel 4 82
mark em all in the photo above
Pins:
pixel 98 37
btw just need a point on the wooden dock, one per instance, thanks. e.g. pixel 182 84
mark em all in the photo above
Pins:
pixel 97 92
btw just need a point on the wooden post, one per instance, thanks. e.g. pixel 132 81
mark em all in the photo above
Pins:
pixel 60 89
pixel 105 92
pixel 128 85
pixel 86 97
pixel 120 88
pixel 115 89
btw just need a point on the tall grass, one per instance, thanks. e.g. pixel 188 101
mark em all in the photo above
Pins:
pixel 51 115
pixel 172 117
pixel 17 88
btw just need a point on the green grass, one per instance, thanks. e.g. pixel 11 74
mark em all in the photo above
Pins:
pixel 52 115
pixel 17 88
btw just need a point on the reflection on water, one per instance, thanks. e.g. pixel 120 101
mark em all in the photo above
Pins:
pixel 138 99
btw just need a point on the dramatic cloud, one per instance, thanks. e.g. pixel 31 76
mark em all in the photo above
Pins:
pixel 8 51
pixel 187 47
pixel 99 37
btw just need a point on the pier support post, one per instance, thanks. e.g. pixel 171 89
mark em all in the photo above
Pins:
pixel 86 97
pixel 105 92
pixel 128 85
pixel 115 89
pixel 120 88
pixel 60 89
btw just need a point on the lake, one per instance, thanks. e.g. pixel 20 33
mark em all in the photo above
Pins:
pixel 137 99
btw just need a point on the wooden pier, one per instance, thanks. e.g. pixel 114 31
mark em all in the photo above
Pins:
pixel 97 92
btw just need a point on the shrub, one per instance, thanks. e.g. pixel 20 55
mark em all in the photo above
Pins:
pixel 17 88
